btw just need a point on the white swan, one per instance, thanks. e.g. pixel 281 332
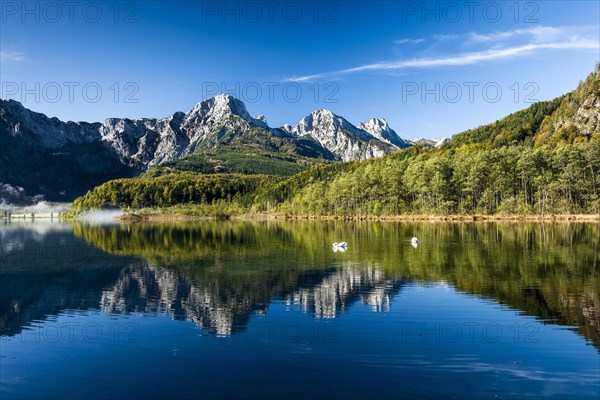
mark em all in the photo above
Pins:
pixel 414 242
pixel 342 246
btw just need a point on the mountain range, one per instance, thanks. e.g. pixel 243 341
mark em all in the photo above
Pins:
pixel 62 160
pixel 58 160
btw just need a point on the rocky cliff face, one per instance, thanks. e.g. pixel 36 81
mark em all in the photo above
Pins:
pixel 52 158
pixel 380 129
pixel 340 137
pixel 148 142
pixel 62 160
pixel 37 129
pixel 577 116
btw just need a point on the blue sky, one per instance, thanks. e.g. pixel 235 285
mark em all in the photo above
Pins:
pixel 431 69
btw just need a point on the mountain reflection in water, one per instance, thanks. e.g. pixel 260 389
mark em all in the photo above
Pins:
pixel 219 274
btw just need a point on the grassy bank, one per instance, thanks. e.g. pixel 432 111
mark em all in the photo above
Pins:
pixel 187 213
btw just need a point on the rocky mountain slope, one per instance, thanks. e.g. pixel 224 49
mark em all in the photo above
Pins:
pixel 62 160
pixel 340 137
pixel 380 129
pixel 577 116
pixel 52 158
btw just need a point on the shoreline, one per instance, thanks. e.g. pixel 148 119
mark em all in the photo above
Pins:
pixel 174 217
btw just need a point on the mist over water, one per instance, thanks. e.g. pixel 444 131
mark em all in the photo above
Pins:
pixel 40 207
pixel 101 216
pixel 45 207
pixel 15 200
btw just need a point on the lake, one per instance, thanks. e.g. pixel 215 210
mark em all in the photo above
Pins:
pixel 269 310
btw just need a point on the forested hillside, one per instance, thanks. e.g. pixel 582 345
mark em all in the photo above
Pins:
pixel 254 155
pixel 170 189
pixel 517 128
pixel 541 160
pixel 506 180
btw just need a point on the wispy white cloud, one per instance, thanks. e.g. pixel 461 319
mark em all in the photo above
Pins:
pixel 534 34
pixel 409 41
pixel 443 38
pixel 11 56
pixel 458 59
pixel 538 34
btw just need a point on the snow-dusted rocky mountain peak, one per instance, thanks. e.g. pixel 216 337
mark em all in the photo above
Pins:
pixel 325 123
pixel 339 136
pixel 375 125
pixel 220 107
pixel 261 117
pixel 379 128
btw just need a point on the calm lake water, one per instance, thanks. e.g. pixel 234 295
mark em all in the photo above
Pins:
pixel 268 310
